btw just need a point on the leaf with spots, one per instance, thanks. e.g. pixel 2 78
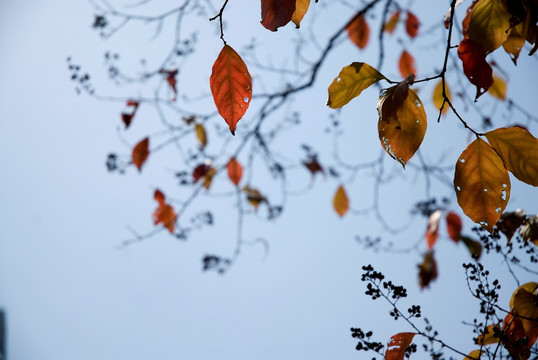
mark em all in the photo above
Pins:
pixel 351 81
pixel 235 171
pixel 437 97
pixel 359 31
pixel 301 7
pixel 277 13
pixel 475 66
pixel 482 184
pixel 231 86
pixel 489 24
pixel 140 153
pixel 518 150
pixel 398 345
pixel 341 201
pixel 164 214
pixel 402 130
pixel 406 64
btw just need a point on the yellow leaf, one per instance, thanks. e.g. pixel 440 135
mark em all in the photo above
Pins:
pixel 518 150
pixel 402 131
pixel 473 355
pixel 482 184
pixel 341 201
pixel 201 134
pixel 438 96
pixel 514 44
pixel 498 88
pixel 487 337
pixel 490 24
pixel 351 81
pixel 208 177
pixel 529 287
pixel 301 6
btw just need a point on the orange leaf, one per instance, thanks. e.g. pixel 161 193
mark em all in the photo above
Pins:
pixel 235 171
pixel 427 271
pixel 432 232
pixel 498 88
pixel 518 150
pixel 301 7
pixel 406 64
pixel 231 86
pixel 473 355
pixel 482 184
pixel 438 96
pixel 201 134
pixel 475 66
pixel 411 24
pixel 140 153
pixel 516 341
pixel 277 13
pixel 341 201
pixel 390 25
pixel 397 345
pixel 358 31
pixel 454 226
pixel 402 130
pixel 164 214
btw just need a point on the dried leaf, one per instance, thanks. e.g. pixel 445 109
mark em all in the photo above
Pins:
pixel 235 171
pixel 201 134
pixel 390 25
pixel 432 232
pixel 301 7
pixel 498 88
pixel 454 226
pixel 427 270
pixel 277 13
pixel 482 184
pixel 438 96
pixel 411 24
pixel 529 230
pixel 358 31
pixel 518 150
pixel 397 345
pixel 341 201
pixel 391 99
pixel 475 66
pixel 140 153
pixel 231 86
pixel 406 64
pixel 510 222
pixel 402 131
pixel 314 166
pixel 164 214
pixel 351 81
pixel 489 25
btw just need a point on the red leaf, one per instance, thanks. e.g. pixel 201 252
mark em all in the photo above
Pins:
pixel 235 171
pixel 358 31
pixel 231 86
pixel 397 345
pixel 277 13
pixel 411 24
pixel 164 214
pixel 140 153
pixel 433 228
pixel 475 66
pixel 454 226
pixel 200 171
pixel 390 25
pixel 126 117
pixel 171 80
pixel 406 65
pixel 159 196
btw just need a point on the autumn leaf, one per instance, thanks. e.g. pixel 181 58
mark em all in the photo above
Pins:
pixel 406 64
pixel 411 25
pixel 402 131
pixel 454 226
pixel 487 336
pixel 200 171
pixel 277 13
pixel 515 338
pixel 164 214
pixel 391 99
pixel 358 31
pixel 510 222
pixel 529 230
pixel 474 247
pixel 427 271
pixel 498 88
pixel 351 81
pixel 208 177
pixel 397 345
pixel 341 201
pixel 140 153
pixel 518 150
pixel 128 117
pixel 482 184
pixel 235 171
pixel 432 232
pixel 231 86
pixel 301 7
pixel 475 66
pixel 489 25
pixel 513 44
pixel 473 355
pixel 314 166
pixel 437 97
pixel 171 80
pixel 254 197
pixel 201 134
pixel 531 287
pixel 390 25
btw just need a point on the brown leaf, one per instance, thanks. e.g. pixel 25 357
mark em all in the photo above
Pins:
pixel 127 118
pixel 254 197
pixel 454 226
pixel 231 86
pixel 171 80
pixel 358 31
pixel 474 247
pixel 397 345
pixel 510 222
pixel 427 270
pixel 475 66
pixel 432 232
pixel 301 7
pixel 341 201
pixel 406 65
pixel 164 214
pixel 235 171
pixel 529 230
pixel 313 166
pixel 390 25
pixel 411 24
pixel 140 153
pixel 277 13
pixel 482 184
